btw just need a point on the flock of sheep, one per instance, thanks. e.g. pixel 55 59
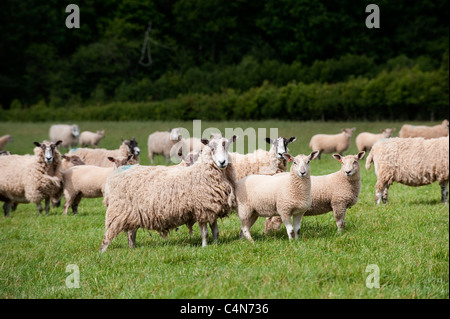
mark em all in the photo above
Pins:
pixel 211 182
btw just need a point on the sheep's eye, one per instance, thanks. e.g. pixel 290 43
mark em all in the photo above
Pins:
pixel 307 162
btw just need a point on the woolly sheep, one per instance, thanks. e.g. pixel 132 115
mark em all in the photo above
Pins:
pixel 91 139
pixel 5 139
pixel 286 195
pixel 31 178
pixel 365 140
pixel 68 134
pixel 263 162
pixel 69 161
pixel 99 156
pixel 427 132
pixel 333 192
pixel 410 161
pixel 161 143
pixel 87 181
pixel 163 198
pixel 329 143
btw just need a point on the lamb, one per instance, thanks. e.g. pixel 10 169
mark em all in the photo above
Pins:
pixel 5 139
pixel 427 132
pixel 163 198
pixel 69 161
pixel 161 143
pixel 91 139
pixel 326 143
pixel 365 140
pixel 286 195
pixel 68 134
pixel 333 192
pixel 410 161
pixel 263 162
pixel 99 156
pixel 31 178
pixel 87 181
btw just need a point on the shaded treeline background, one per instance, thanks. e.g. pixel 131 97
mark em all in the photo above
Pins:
pixel 221 59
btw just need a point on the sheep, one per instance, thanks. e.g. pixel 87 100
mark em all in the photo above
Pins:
pixel 161 143
pixel 99 156
pixel 68 134
pixel 5 153
pixel 91 139
pixel 410 161
pixel 427 132
pixel 333 192
pixel 69 161
pixel 87 181
pixel 5 139
pixel 286 195
pixel 364 141
pixel 263 162
pixel 329 143
pixel 163 198
pixel 31 178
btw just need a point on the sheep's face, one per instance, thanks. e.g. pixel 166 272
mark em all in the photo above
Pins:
pixel 175 134
pixel 132 146
pixel 219 149
pixel 75 130
pixel 350 165
pixel 348 131
pixel 120 160
pixel 387 132
pixel 280 145
pixel 74 160
pixel 48 149
pixel 190 158
pixel 300 163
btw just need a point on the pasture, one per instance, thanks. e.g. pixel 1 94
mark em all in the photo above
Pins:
pixel 408 238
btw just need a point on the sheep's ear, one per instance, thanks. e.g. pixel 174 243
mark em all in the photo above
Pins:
pixel 292 139
pixel 337 157
pixel 204 141
pixel 288 157
pixel 111 159
pixel 180 152
pixel 133 139
pixel 361 155
pixel 130 157
pixel 66 157
pixel 233 138
pixel 313 155
pixel 268 140
pixel 37 144
pixel 58 143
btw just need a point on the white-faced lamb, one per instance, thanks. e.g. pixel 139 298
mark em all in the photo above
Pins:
pixel 365 140
pixel 163 198
pixel 31 178
pixel 330 143
pixel 91 139
pixel 99 156
pixel 161 143
pixel 87 181
pixel 5 139
pixel 440 130
pixel 287 195
pixel 334 192
pixel 68 134
pixel 410 161
pixel 69 161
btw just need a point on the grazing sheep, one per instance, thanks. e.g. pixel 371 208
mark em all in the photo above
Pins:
pixel 410 161
pixel 99 156
pixel 68 134
pixel 427 132
pixel 326 143
pixel 263 162
pixel 161 143
pixel 90 138
pixel 5 139
pixel 163 198
pixel 333 192
pixel 286 195
pixel 364 141
pixel 31 178
pixel 87 181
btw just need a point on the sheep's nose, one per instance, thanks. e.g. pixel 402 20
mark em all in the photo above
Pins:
pixel 348 173
pixel 49 159
pixel 222 163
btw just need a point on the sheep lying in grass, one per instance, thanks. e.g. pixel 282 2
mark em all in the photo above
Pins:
pixel 5 139
pixel 410 161
pixel 161 143
pixel 68 134
pixel 31 178
pixel 427 132
pixel 364 141
pixel 99 156
pixel 87 181
pixel 286 195
pixel 333 192
pixel 263 162
pixel 326 143
pixel 91 139
pixel 163 198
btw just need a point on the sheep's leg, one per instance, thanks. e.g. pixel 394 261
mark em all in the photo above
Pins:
pixel 272 223
pixel 380 192
pixel 214 230
pixel 288 225
pixel 132 238
pixel 204 231
pixel 444 192
pixel 384 197
pixel 7 208
pixel 76 202
pixel 247 223
pixel 14 206
pixel 297 219
pixel 339 216
pixel 39 207
pixel 47 205
pixel 151 156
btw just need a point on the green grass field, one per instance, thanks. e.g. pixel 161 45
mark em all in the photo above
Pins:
pixel 408 239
